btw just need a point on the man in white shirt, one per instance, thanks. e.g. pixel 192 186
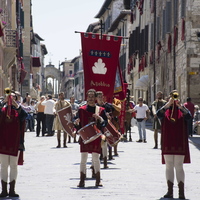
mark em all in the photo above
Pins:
pixel 142 112
pixel 49 112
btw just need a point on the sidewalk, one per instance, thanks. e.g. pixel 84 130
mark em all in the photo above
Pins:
pixel 136 174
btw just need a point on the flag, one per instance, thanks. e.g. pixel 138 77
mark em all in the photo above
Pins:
pixel 100 61
pixel 23 73
pixel 123 110
pixel 183 30
pixel 119 85
pixel 1 31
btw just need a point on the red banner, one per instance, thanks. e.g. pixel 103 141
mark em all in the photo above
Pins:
pixel 119 85
pixel 123 110
pixel 100 61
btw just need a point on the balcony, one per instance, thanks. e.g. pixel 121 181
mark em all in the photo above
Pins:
pixel 10 38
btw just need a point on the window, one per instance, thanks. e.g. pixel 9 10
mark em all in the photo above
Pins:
pixel 168 17
pixel 183 6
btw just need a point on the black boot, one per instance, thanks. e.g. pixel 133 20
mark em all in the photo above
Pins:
pixel 12 190
pixel 98 180
pixel 93 173
pixel 181 190
pixel 4 192
pixel 105 166
pixel 82 180
pixel 169 193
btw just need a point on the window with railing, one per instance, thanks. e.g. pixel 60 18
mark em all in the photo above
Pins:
pixel 10 38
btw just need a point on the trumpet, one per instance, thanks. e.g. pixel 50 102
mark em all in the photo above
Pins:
pixel 7 91
pixel 175 96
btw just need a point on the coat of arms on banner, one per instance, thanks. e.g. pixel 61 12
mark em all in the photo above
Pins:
pixel 65 118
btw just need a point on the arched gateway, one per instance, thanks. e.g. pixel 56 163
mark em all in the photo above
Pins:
pixel 53 77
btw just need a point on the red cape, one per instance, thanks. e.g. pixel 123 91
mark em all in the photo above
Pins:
pixel 174 138
pixel 9 132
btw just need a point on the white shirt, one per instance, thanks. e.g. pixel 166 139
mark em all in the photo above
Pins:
pixel 49 106
pixel 141 111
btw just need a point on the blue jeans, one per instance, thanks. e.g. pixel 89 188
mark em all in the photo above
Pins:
pixel 141 128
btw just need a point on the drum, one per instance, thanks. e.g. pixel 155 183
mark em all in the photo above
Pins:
pixel 113 136
pixel 89 133
pixel 65 118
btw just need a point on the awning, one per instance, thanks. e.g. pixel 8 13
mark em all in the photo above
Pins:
pixel 142 83
pixel 36 62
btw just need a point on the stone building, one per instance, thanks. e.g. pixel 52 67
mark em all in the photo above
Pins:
pixel 19 48
pixel 163 50
pixel 67 81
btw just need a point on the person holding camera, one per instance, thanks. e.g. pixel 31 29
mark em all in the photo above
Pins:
pixel 174 141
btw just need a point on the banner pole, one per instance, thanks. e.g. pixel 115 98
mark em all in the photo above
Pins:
pixel 124 37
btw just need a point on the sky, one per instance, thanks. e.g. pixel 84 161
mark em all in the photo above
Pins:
pixel 56 21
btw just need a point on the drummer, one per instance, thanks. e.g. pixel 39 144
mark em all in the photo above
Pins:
pixel 108 109
pixel 91 113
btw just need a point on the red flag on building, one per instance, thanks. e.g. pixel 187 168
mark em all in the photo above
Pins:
pixel 183 30
pixel 175 35
pixel 169 43
pixel 100 61
pixel 1 31
pixel 23 73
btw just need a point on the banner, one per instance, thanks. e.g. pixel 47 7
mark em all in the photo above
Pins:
pixel 119 85
pixel 100 61
pixel 123 110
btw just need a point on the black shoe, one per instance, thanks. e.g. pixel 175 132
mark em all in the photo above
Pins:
pixel 144 141
pixel 139 141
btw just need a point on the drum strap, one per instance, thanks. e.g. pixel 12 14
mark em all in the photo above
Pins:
pixel 97 110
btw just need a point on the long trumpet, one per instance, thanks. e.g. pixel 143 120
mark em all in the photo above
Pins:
pixel 175 96
pixel 7 91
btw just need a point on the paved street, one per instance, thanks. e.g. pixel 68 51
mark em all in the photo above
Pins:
pixel 137 174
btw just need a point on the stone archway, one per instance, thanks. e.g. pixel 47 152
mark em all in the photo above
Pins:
pixel 52 77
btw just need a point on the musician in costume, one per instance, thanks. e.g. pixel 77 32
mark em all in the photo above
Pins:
pixel 174 142
pixel 129 114
pixel 108 108
pixel 60 104
pixel 86 114
pixel 156 105
pixel 75 108
pixel 12 119
pixel 115 120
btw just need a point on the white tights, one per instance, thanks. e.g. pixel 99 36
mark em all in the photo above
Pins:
pixel 174 161
pixel 104 147
pixel 95 161
pixel 7 161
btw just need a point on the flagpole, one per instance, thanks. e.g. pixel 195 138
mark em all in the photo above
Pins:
pixel 124 37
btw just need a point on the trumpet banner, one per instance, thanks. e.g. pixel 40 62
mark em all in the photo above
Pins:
pixel 100 61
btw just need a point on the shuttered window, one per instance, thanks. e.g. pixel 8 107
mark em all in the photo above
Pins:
pixel 163 25
pixel 168 17
pixel 176 12
pixel 157 29
pixel 146 38
pixel 152 35
pixel 183 8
